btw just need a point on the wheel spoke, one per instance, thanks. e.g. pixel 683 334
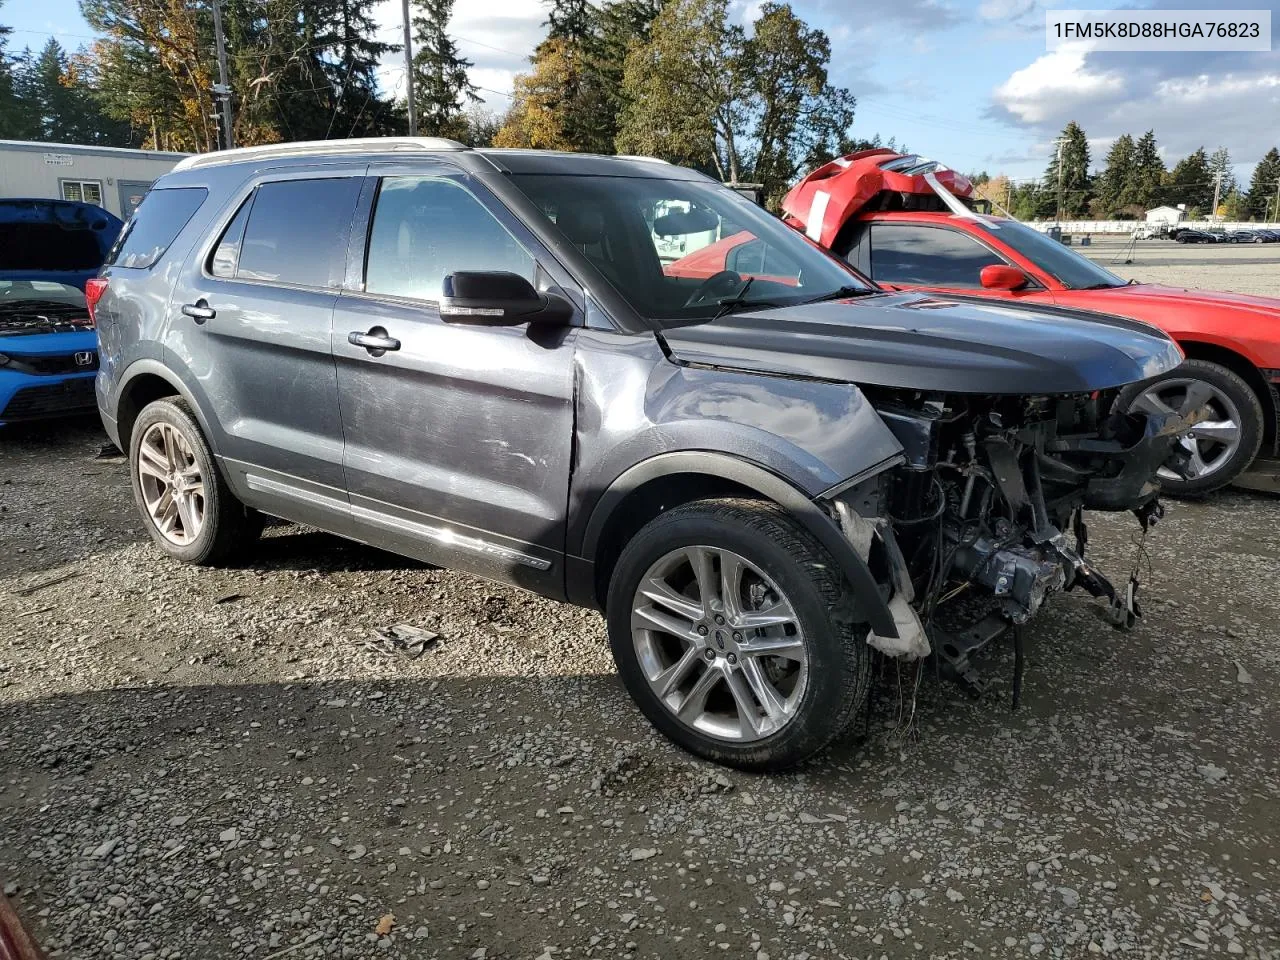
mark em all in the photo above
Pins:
pixel 748 709
pixel 651 618
pixel 1198 394
pixel 730 584
pixel 661 593
pixel 187 515
pixel 670 679
pixel 775 706
pixel 774 615
pixel 1151 402
pixel 152 461
pixel 160 506
pixel 792 648
pixel 1225 432
pixel 1196 466
pixel 695 702
pixel 168 517
pixel 700 558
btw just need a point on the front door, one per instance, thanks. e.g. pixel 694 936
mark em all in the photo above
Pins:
pixel 251 329
pixel 458 436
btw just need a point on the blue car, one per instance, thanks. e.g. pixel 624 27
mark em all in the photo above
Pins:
pixel 49 249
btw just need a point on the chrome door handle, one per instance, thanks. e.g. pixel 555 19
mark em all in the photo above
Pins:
pixel 200 311
pixel 375 341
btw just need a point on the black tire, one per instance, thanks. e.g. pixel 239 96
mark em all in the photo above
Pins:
pixel 229 526
pixel 838 656
pixel 1234 388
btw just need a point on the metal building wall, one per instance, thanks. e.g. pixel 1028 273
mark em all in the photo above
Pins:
pixel 39 169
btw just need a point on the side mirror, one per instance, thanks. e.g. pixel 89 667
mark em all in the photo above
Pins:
pixel 499 299
pixel 998 276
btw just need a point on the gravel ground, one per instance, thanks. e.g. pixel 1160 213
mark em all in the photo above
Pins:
pixel 219 763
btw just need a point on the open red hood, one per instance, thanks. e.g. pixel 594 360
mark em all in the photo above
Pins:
pixel 821 203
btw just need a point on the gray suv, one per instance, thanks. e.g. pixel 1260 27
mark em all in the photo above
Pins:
pixel 570 373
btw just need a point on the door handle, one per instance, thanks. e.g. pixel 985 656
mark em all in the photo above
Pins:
pixel 200 311
pixel 375 341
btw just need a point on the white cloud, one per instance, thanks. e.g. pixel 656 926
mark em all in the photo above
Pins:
pixel 1004 10
pixel 497 36
pixel 1053 83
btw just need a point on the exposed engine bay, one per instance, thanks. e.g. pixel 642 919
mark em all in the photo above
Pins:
pixel 985 519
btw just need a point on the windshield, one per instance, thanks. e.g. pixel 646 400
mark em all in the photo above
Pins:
pixel 44 291
pixel 1061 262
pixel 678 249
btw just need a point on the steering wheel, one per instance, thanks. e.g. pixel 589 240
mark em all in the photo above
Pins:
pixel 722 284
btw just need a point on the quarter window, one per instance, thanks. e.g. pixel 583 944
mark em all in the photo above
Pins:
pixel 88 191
pixel 295 232
pixel 928 256
pixel 154 225
pixel 425 229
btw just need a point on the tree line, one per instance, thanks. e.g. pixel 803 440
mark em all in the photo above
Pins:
pixel 671 78
pixel 1134 179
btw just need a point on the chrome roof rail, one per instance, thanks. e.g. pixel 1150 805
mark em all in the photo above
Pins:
pixel 270 151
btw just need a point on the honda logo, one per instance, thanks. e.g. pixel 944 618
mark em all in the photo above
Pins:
pixel 84 358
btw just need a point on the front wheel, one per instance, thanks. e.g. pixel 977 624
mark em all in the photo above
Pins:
pixel 1223 444
pixel 723 621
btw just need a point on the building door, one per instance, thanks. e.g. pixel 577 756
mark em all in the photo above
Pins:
pixel 131 194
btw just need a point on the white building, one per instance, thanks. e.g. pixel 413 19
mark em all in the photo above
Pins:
pixel 112 177
pixel 1166 215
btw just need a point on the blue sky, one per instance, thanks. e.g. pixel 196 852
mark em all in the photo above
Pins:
pixel 967 82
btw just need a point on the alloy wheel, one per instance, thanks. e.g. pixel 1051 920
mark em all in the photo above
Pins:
pixel 1213 441
pixel 172 484
pixel 719 643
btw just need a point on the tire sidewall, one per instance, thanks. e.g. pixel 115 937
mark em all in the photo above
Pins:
pixel 825 640
pixel 169 412
pixel 1251 426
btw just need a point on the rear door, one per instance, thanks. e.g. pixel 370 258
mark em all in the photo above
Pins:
pixel 250 328
pixel 458 440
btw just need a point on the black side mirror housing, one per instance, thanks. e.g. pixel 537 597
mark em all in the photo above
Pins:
pixel 497 298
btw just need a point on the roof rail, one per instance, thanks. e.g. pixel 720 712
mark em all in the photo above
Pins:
pixel 640 156
pixel 270 151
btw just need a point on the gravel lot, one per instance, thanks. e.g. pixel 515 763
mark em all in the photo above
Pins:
pixel 212 764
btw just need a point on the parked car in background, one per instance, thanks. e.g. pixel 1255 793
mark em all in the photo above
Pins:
pixel 908 223
pixel 1189 235
pixel 49 249
pixel 476 358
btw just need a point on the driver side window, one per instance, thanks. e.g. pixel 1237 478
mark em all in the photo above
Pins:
pixel 426 228
pixel 927 256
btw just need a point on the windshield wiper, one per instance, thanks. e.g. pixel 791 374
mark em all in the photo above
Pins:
pixel 841 294
pixel 39 306
pixel 738 301
pixel 1101 286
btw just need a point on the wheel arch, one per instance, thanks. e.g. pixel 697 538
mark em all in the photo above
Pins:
pixel 667 480
pixel 145 382
pixel 1242 366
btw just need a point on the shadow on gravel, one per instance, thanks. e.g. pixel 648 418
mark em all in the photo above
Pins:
pixel 285 546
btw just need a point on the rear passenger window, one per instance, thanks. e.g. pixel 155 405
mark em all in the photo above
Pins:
pixel 154 225
pixel 294 232
pixel 425 229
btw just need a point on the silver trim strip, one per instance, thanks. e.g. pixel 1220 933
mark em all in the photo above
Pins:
pixel 441 535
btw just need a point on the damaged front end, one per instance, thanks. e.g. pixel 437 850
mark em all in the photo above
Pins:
pixel 985 518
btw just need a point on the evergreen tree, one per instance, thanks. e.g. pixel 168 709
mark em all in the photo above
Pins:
pixel 572 20
pixel 1190 183
pixel 1221 175
pixel 441 85
pixel 1264 188
pixel 1066 183
pixel 1149 172
pixel 1116 184
pixel 14 119
pixel 619 27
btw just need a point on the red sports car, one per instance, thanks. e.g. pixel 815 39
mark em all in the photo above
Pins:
pixel 909 223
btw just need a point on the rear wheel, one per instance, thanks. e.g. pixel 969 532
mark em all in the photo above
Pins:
pixel 1223 444
pixel 722 621
pixel 185 504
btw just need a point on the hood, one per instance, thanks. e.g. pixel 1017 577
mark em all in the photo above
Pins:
pixel 1122 299
pixel 56 241
pixel 940 344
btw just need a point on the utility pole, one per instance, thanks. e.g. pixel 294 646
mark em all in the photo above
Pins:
pixel 222 90
pixel 1278 200
pixel 408 71
pixel 1062 142
pixel 1217 190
